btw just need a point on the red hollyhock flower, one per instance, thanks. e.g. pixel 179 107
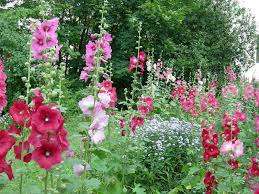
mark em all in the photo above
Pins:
pixel 209 182
pixel 254 168
pixel 46 119
pixel 142 56
pixel 47 155
pixel 20 112
pixel 136 122
pixel 122 123
pixel 211 151
pixel 20 149
pixel 6 142
pixel 233 164
pixel 60 138
pixel 6 168
pixel 106 84
pixel 143 110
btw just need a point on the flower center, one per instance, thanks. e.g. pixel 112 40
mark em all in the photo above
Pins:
pixel 47 154
pixel 47 119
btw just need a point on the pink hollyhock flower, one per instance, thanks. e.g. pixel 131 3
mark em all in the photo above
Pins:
pixel 142 56
pixel 136 122
pixel 257 123
pixel 79 169
pixel 6 168
pixel 47 155
pixel 255 188
pixel 97 136
pixel 46 119
pixel 6 142
pixel 106 85
pixel 21 148
pixel 107 37
pixel 3 98
pixel 49 26
pixel 149 101
pixel 256 94
pixel 133 63
pixel 87 105
pixel 248 92
pixel 100 120
pixel 84 75
pixel 230 91
pixel 143 110
pixel 107 50
pixel 239 116
pixel 235 148
pixel 38 42
pixel 105 99
pixel 20 112
pixel 231 74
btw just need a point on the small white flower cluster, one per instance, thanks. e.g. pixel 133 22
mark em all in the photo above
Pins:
pixel 162 139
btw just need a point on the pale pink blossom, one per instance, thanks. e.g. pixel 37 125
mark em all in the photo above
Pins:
pixel 235 149
pixel 248 92
pixel 97 136
pixel 87 105
pixel 105 99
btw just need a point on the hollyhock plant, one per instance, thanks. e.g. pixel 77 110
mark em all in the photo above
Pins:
pixel 256 94
pixel 3 98
pixel 236 148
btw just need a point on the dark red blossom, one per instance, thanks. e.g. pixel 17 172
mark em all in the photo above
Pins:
pixel 209 181
pixel 254 168
pixel 20 112
pixel 136 122
pixel 47 155
pixel 233 164
pixel 46 119
pixel 14 130
pixel 6 142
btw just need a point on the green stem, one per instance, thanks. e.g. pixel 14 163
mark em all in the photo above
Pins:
pixel 46 183
pixel 21 185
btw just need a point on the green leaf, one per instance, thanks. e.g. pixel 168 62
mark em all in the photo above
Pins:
pixel 92 183
pixel 139 190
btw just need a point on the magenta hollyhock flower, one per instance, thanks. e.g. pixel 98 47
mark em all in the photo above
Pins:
pixel 47 155
pixel 6 168
pixel 38 42
pixel 248 92
pixel 6 142
pixel 46 119
pixel 37 99
pixel 133 63
pixel 257 142
pixel 143 110
pixel 107 37
pixel 231 74
pixel 230 90
pixel 20 112
pixel 142 56
pixel 3 97
pixel 49 26
pixel 84 75
pixel 107 50
pixel 149 101
pixel 136 122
